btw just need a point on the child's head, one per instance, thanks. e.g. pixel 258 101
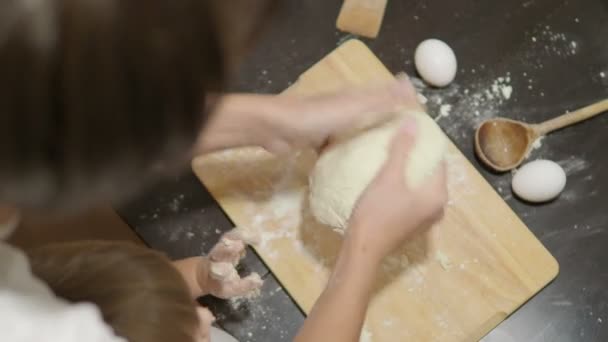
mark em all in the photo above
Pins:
pixel 139 293
pixel 96 94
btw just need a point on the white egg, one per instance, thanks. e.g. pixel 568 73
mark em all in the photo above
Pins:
pixel 436 62
pixel 539 181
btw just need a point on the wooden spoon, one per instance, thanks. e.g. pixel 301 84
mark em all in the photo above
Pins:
pixel 503 144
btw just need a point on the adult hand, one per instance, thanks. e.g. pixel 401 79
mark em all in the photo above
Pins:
pixel 315 121
pixel 390 211
pixel 280 123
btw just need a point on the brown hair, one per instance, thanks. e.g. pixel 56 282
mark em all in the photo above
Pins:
pixel 139 293
pixel 96 94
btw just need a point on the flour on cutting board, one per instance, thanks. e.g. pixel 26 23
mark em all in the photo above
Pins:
pixel 457 178
pixel 366 335
pixel 279 216
pixel 445 261
pixel 284 208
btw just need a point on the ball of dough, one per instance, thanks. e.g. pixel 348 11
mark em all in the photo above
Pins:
pixel 344 171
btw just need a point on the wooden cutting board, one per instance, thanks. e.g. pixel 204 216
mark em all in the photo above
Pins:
pixel 455 283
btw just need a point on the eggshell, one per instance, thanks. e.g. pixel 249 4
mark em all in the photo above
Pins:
pixel 539 181
pixel 436 62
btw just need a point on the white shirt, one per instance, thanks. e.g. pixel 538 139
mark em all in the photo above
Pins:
pixel 29 311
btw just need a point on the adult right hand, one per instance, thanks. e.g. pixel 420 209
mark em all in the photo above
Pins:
pixel 390 211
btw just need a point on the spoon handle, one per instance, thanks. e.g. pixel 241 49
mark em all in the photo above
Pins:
pixel 571 118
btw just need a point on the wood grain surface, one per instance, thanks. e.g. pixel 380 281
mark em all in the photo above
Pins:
pixel 454 283
pixel 362 17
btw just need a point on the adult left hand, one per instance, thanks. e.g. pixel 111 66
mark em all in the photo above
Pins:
pixel 315 121
pixel 281 123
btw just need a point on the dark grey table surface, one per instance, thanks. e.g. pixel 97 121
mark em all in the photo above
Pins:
pixel 552 55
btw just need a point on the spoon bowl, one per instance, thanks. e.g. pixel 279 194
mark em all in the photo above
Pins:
pixel 502 143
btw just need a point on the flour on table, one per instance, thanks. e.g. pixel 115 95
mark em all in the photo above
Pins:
pixel 557 43
pixel 460 109
pixel 444 111
pixel 574 165
pixel 538 143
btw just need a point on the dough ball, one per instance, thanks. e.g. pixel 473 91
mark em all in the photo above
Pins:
pixel 436 62
pixel 344 171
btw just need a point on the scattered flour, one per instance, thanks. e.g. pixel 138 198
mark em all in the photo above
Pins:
pixel 557 43
pixel 574 165
pixel 501 89
pixel 366 335
pixel 444 260
pixel 545 44
pixel 441 322
pixel 422 99
pixel 444 111
pixel 388 322
pixel 176 203
pixel 471 105
pixel 538 143
pixel 561 303
pixel 506 92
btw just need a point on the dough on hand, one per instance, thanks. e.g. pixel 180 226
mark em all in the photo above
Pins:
pixel 344 171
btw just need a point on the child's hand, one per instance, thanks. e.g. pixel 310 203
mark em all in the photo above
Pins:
pixel 217 275
pixel 206 319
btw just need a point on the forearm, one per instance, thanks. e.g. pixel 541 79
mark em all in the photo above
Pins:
pixel 339 313
pixel 243 120
pixel 189 269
